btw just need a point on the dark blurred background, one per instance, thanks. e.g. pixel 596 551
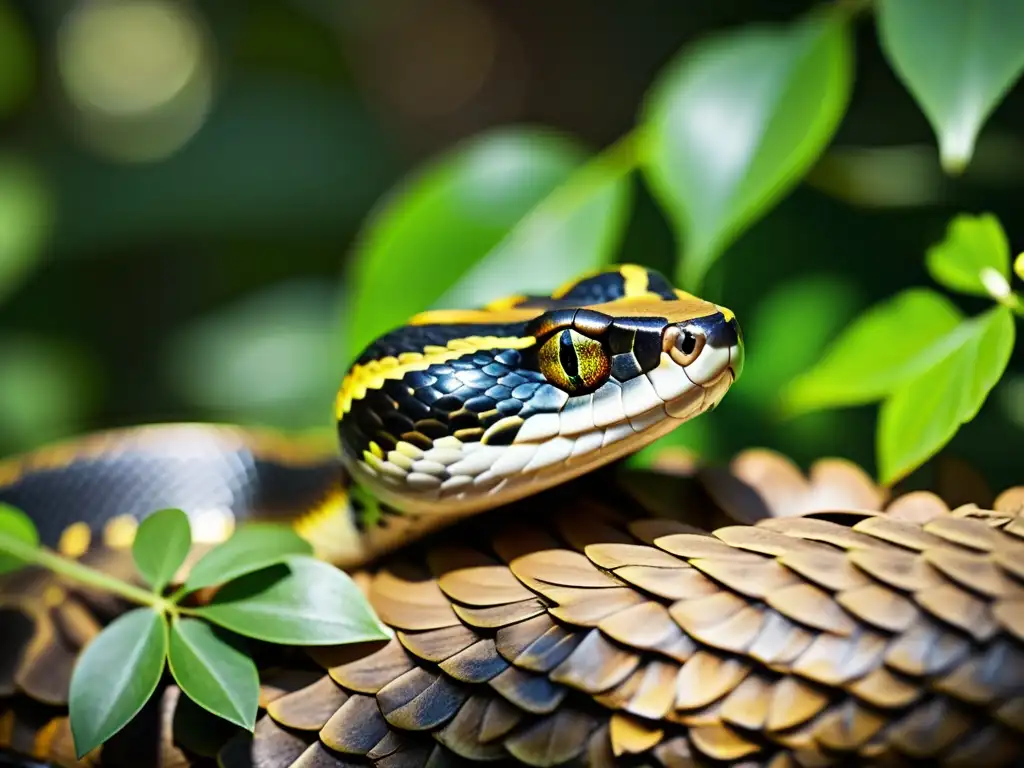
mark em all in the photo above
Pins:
pixel 181 186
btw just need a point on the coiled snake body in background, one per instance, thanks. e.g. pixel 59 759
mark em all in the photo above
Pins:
pixel 566 626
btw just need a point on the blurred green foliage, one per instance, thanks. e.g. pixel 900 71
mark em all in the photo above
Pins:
pixel 734 123
pixel 771 156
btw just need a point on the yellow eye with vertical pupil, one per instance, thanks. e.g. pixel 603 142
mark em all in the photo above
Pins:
pixel 574 362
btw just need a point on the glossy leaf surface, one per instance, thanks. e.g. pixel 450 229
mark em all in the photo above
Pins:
pixel 252 547
pixel 884 348
pixel 734 123
pixel 161 544
pixel 434 228
pixel 301 601
pixel 214 671
pixel 115 675
pixel 958 58
pixel 973 258
pixel 924 415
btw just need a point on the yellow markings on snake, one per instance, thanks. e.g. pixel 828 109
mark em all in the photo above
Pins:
pixel 472 316
pixel 372 375
pixel 119 532
pixel 507 302
pixel 45 736
pixel 635 281
pixel 74 541
pixel 328 526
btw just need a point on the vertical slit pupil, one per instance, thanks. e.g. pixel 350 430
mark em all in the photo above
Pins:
pixel 567 355
pixel 689 343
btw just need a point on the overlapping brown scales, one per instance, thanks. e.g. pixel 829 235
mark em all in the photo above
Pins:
pixel 799 641
pixel 590 637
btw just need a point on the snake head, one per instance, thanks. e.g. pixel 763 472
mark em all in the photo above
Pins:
pixel 460 411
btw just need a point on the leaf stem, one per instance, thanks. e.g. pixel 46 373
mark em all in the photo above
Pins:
pixel 83 574
pixel 177 594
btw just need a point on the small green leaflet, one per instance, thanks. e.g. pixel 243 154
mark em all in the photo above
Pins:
pixel 252 547
pixel 734 123
pixel 925 414
pixel 212 669
pixel 884 348
pixel 161 546
pixel 115 676
pixel 18 527
pixel 974 258
pixel 958 58
pixel 301 601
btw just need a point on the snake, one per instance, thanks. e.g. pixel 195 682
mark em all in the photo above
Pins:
pixel 455 412
pixel 547 612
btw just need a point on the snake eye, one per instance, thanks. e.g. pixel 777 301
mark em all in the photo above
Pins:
pixel 684 345
pixel 574 362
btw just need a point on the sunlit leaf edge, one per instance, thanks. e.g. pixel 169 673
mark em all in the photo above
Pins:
pixel 972 336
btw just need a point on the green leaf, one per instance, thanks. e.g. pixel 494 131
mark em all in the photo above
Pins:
pixel 958 59
pixel 924 415
pixel 161 546
pixel 16 525
pixel 974 258
pixel 115 676
pixel 214 671
pixel 302 601
pixel 1018 266
pixel 443 220
pixel 572 231
pixel 883 349
pixel 252 547
pixel 734 123
pixel 780 321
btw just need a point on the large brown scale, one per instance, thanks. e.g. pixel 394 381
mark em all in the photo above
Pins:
pixel 786 622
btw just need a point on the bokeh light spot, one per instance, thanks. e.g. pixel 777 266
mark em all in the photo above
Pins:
pixel 138 75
